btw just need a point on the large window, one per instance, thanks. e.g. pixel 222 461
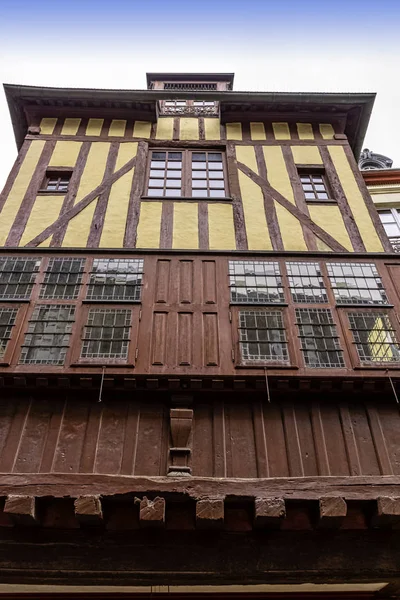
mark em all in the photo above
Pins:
pixel 306 282
pixel 7 322
pixel 262 336
pixel 187 173
pixel 255 282
pixel 391 221
pixel 17 276
pixel 106 334
pixel 356 283
pixel 115 279
pixel 62 278
pixel 48 335
pixel 319 340
pixel 374 337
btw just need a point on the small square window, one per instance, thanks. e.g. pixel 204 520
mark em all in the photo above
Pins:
pixel 314 187
pixel 56 181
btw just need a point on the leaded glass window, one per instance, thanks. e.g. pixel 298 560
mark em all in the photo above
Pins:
pixel 7 322
pixel 17 276
pixel 116 279
pixel 262 336
pixel 306 282
pixel 62 278
pixel 374 337
pixel 319 340
pixel 255 282
pixel 49 330
pixel 106 334
pixel 356 283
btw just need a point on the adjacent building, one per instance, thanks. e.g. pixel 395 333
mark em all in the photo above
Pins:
pixel 199 342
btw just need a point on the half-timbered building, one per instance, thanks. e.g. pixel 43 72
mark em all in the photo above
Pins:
pixel 199 346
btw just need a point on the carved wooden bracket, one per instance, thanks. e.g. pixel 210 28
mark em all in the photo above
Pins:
pixel 181 420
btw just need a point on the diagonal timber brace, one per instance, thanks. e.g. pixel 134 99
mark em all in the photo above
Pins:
pixel 294 210
pixel 88 199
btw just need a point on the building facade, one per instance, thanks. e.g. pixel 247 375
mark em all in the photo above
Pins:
pixel 199 347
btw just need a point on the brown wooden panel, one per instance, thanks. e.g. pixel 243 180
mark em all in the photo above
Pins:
pixel 152 441
pixel 210 339
pixel 72 435
pixel 307 440
pixel 276 444
pixel 12 433
pixel 162 281
pixel 111 438
pixel 202 456
pixel 293 449
pixel 8 410
pixel 33 438
pixel 240 443
pixel 88 456
pixel 131 439
pixel 366 449
pixel 209 282
pixel 185 282
pixel 185 338
pixel 390 420
pixel 334 440
pixel 158 338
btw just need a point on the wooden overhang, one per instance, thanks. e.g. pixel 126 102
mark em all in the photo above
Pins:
pixel 353 109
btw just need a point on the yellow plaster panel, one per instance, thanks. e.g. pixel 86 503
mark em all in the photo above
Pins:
pixel 305 131
pixel 70 126
pixel 117 127
pixel 189 129
pixel 246 155
pixel 94 126
pixel 165 128
pixel 220 227
pixel 47 125
pixel 65 154
pixel 281 131
pixel 254 214
pixel 44 212
pixel 355 199
pixel 278 176
pixel 326 131
pixel 125 153
pixel 94 169
pixel 233 131
pixel 148 232
pixel 330 219
pixel 142 129
pixel 79 227
pixel 18 189
pixel 118 202
pixel 186 225
pixel 257 131
pixel 117 209
pixel 306 155
pixel 291 230
pixel 212 128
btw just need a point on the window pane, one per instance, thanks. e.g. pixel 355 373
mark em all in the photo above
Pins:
pixel 198 156
pixel 199 183
pixel 175 183
pixel 322 196
pixel 199 193
pixel 156 164
pixel 158 156
pixel 157 173
pixel 174 156
pixel 374 336
pixel 255 282
pixel 174 165
pixel 199 165
pixel 156 183
pixel 174 192
pixel 262 337
pixel 199 174
pixel 217 184
pixel 214 157
pixel 177 173
pixel 115 279
pixel 319 341
pixel 217 193
pixel 356 283
pixel 216 166
pixel 216 175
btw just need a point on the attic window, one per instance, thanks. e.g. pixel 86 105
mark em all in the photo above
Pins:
pixel 56 181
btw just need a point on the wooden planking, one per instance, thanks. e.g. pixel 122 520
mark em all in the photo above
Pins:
pixel 240 439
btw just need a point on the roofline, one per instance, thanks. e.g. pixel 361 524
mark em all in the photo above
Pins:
pixel 18 97
pixel 381 176
pixel 206 77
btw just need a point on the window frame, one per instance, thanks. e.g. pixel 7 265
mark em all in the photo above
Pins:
pixel 186 179
pixel 14 342
pixel 395 212
pixel 52 172
pixel 351 344
pixel 317 171
pixel 335 324
pixel 78 361
pixel 189 108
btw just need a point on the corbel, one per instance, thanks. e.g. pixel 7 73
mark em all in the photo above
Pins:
pixel 181 421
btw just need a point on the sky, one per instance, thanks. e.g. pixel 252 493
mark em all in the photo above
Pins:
pixel 270 45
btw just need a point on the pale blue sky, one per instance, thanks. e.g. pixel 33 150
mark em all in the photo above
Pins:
pixel 280 45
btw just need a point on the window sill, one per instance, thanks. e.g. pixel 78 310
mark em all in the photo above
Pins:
pixel 366 306
pixel 51 193
pixel 114 301
pixel 377 367
pixel 105 363
pixel 259 304
pixel 318 201
pixel 264 365
pixel 186 199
